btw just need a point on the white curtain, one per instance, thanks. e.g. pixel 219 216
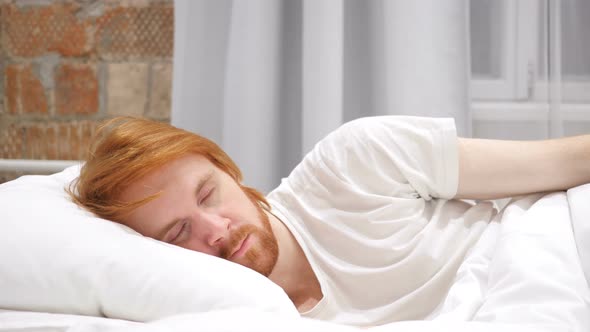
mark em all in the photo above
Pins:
pixel 266 79
pixel 568 50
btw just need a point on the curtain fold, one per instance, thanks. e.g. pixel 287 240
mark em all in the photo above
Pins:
pixel 425 66
pixel 322 69
pixel 251 97
pixel 201 35
pixel 267 79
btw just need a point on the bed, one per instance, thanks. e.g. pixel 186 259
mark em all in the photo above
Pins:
pixel 63 269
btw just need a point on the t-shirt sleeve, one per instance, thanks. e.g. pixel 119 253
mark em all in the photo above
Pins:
pixel 398 156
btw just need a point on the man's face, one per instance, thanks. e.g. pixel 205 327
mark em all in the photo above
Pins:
pixel 202 208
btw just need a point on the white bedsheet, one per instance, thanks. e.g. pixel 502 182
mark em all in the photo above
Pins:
pixel 231 321
pixel 525 270
pixel 524 274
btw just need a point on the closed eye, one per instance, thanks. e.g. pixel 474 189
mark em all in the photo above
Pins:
pixel 207 195
pixel 181 232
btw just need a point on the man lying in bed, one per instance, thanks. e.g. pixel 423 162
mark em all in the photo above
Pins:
pixel 369 228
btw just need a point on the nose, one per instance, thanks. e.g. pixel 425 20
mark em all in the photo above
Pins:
pixel 214 229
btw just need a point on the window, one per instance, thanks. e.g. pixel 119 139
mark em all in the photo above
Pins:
pixel 530 65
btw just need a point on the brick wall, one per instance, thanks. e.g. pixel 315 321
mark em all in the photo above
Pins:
pixel 67 65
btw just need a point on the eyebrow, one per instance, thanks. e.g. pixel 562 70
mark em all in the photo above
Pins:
pixel 171 224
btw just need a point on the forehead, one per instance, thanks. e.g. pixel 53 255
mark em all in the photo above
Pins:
pixel 175 182
pixel 176 172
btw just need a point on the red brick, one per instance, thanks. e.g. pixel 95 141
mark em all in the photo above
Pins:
pixel 33 99
pixel 86 130
pixel 11 142
pixel 4 147
pixel 51 139
pixel 136 31
pixel 12 89
pixel 34 31
pixel 63 137
pixel 16 139
pixel 74 142
pixel 80 134
pixel 25 93
pixel 76 89
pixel 35 147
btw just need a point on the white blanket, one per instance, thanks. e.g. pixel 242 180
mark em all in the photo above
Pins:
pixel 525 270
pixel 524 274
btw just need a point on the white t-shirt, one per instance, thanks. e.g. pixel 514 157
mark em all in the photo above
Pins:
pixel 370 207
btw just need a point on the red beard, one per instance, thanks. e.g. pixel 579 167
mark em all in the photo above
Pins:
pixel 263 252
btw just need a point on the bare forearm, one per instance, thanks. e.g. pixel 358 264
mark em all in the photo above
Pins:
pixel 491 169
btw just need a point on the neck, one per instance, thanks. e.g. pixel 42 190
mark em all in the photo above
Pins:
pixel 292 272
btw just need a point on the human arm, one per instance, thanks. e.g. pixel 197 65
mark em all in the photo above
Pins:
pixel 490 169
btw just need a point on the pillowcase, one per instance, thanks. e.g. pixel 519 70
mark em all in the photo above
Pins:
pixel 58 257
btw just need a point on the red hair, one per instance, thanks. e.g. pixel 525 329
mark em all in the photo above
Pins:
pixel 125 149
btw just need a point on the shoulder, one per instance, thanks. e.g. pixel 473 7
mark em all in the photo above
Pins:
pixel 391 125
pixel 369 147
pixel 385 132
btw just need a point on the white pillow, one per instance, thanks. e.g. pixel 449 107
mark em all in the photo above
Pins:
pixel 58 257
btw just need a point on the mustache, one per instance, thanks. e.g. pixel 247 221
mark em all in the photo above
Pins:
pixel 236 239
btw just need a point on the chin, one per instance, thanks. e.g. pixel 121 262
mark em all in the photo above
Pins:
pixel 261 260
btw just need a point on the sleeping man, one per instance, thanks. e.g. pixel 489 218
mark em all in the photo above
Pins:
pixel 371 227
